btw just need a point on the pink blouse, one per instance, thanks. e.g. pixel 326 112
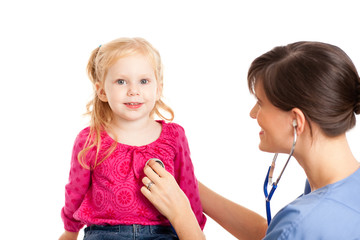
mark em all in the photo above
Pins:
pixel 110 194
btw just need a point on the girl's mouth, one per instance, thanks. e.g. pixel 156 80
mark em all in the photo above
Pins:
pixel 133 105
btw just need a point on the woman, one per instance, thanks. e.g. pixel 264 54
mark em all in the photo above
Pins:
pixel 311 87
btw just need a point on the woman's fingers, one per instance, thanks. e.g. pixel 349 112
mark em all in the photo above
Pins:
pixel 149 186
pixel 157 168
pixel 146 180
pixel 147 194
pixel 151 175
pixel 148 183
pixel 160 188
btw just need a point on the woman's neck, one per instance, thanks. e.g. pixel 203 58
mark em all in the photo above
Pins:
pixel 327 160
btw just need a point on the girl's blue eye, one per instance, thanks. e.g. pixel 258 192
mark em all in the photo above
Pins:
pixel 144 81
pixel 121 82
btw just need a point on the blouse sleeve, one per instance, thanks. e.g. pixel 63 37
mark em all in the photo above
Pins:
pixel 185 177
pixel 76 188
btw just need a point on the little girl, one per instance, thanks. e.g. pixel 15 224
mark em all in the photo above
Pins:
pixel 109 156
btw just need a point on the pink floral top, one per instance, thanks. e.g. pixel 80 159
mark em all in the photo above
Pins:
pixel 110 194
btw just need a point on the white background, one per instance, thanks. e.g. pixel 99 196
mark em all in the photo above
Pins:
pixel 206 47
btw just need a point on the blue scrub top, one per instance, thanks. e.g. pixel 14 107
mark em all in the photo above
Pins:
pixel 331 212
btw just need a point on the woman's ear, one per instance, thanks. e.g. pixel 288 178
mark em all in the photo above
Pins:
pixel 100 91
pixel 298 117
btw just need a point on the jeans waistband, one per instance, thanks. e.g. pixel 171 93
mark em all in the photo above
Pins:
pixel 135 228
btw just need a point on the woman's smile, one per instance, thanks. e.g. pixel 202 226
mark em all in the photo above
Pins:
pixel 261 133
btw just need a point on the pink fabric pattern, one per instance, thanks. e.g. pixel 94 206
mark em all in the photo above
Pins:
pixel 110 194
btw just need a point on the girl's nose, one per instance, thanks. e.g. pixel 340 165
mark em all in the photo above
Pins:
pixel 133 91
pixel 254 110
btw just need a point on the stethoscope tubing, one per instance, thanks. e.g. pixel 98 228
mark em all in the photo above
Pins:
pixel 268 178
pixel 268 196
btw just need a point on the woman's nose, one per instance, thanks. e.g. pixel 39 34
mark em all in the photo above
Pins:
pixel 253 111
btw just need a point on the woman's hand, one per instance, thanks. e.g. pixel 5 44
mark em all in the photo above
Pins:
pixel 162 190
pixel 69 235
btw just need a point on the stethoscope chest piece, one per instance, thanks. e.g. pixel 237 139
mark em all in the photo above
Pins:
pixel 156 160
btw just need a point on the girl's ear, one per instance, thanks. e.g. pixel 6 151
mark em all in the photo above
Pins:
pixel 159 92
pixel 299 116
pixel 100 91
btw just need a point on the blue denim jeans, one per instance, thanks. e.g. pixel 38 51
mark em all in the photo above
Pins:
pixel 128 232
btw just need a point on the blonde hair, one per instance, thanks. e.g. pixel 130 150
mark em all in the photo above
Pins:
pixel 101 59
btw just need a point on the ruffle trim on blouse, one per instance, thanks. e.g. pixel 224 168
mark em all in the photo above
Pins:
pixel 164 145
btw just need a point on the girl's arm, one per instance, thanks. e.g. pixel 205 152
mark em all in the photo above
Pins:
pixel 236 219
pixel 184 174
pixel 166 195
pixel 69 235
pixel 75 190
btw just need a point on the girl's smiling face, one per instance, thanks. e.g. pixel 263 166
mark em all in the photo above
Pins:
pixel 276 130
pixel 130 88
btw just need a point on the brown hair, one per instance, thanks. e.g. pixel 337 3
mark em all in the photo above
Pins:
pixel 318 78
pixel 101 59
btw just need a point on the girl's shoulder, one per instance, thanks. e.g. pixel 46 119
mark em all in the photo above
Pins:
pixel 84 133
pixel 172 127
pixel 82 136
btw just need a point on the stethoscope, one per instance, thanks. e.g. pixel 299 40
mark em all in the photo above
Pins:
pixel 269 175
pixel 156 160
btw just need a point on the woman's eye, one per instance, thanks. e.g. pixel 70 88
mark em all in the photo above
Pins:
pixel 121 82
pixel 144 81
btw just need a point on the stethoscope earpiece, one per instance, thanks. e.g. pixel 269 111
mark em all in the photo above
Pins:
pixel 294 123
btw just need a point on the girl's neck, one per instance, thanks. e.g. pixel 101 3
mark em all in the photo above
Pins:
pixel 135 133
pixel 130 126
pixel 328 160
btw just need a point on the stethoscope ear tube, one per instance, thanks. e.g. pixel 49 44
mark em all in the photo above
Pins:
pixel 269 174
